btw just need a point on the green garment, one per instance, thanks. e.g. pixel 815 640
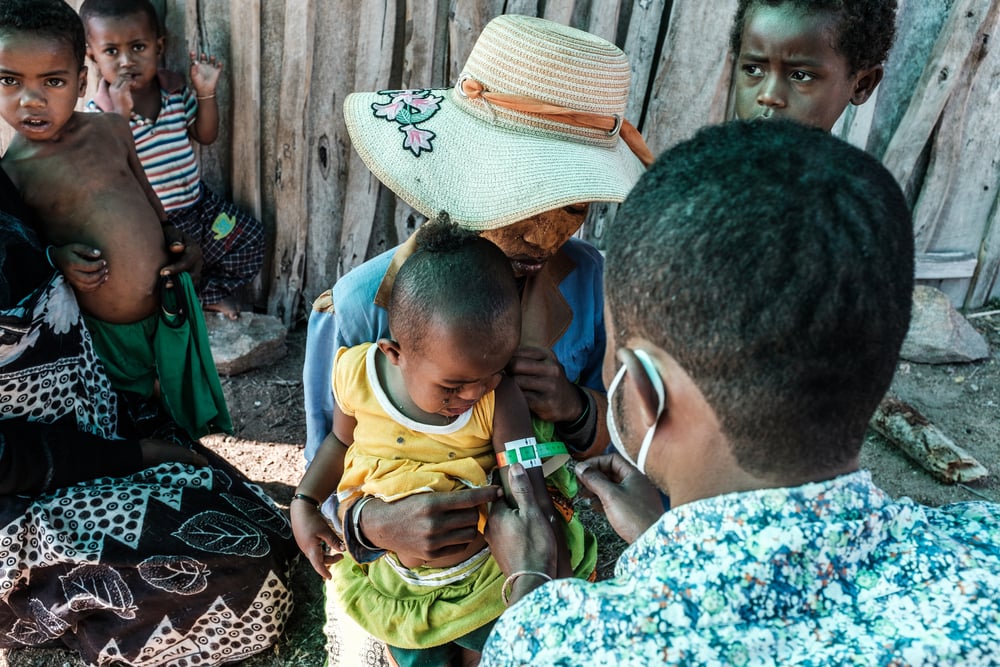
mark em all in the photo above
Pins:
pixel 172 347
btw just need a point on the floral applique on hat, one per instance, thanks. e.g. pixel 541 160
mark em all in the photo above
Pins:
pixel 409 107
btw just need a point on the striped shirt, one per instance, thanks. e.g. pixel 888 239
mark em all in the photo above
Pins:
pixel 165 150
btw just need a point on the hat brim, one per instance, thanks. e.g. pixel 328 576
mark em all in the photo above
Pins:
pixel 485 176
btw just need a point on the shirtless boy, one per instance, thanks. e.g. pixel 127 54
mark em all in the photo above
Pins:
pixel 80 176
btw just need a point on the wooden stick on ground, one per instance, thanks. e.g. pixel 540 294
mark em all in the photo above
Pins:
pixel 925 443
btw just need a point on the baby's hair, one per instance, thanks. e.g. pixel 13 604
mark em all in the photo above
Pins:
pixel 866 28
pixel 457 277
pixel 116 9
pixel 46 18
pixel 775 264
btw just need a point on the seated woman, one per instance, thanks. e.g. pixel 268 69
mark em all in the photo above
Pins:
pixel 121 538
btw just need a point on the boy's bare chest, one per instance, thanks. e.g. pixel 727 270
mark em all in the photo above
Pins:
pixel 74 180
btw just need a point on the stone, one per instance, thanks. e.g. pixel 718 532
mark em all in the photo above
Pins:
pixel 938 333
pixel 240 345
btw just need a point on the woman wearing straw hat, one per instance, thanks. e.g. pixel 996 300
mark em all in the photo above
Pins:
pixel 533 131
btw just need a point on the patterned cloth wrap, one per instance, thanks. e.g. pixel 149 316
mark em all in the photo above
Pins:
pixel 171 566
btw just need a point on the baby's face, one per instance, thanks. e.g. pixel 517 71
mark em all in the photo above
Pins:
pixel 450 370
pixel 40 83
pixel 125 49
pixel 789 67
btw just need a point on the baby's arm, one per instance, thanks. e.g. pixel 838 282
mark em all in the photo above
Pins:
pixel 511 423
pixel 205 71
pixel 312 530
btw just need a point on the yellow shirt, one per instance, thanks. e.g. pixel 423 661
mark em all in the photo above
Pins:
pixel 394 456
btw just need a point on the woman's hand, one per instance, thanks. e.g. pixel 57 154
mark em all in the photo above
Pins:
pixel 315 537
pixel 542 379
pixel 626 497
pixel 426 526
pixel 155 452
pixel 83 266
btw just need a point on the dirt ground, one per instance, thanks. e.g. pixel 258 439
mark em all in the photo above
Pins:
pixel 961 399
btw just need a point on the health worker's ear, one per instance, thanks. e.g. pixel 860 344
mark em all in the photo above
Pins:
pixel 650 388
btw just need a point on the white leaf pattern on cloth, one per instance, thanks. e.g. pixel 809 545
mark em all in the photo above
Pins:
pixel 46 621
pixel 175 574
pixel 264 515
pixel 223 533
pixel 60 386
pixel 27 633
pixel 98 587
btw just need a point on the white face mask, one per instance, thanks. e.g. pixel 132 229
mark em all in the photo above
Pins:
pixel 657 382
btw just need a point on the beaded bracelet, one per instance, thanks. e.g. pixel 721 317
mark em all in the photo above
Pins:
pixel 508 583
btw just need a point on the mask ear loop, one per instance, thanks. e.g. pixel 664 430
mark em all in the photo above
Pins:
pixel 661 394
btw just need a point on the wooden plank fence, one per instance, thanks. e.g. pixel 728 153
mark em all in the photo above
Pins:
pixel 284 153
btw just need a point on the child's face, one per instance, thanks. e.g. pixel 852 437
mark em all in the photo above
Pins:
pixel 40 83
pixel 124 49
pixel 450 372
pixel 789 67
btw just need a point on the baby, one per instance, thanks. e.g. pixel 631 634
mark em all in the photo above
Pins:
pixel 431 410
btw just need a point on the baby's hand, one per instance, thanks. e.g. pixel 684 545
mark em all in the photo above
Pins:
pixel 205 72
pixel 120 92
pixel 315 538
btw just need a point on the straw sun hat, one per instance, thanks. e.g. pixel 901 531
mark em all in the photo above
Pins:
pixel 535 122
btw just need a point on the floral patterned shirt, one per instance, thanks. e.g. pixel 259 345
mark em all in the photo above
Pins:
pixel 832 573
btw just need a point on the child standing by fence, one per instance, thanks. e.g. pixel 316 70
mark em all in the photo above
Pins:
pixel 124 40
pixel 806 60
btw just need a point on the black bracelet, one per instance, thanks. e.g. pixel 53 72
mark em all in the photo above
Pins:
pixel 309 499
pixel 569 427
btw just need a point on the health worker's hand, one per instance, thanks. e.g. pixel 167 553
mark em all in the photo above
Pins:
pixel 626 497
pixel 522 539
